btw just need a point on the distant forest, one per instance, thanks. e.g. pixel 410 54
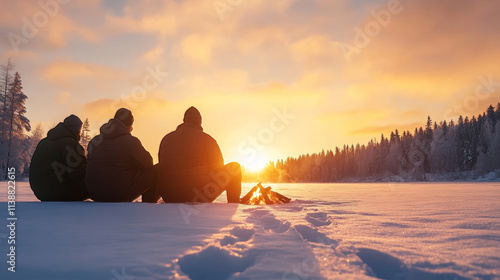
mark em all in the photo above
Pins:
pixel 470 145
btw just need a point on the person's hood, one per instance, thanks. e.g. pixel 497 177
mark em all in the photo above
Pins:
pixel 74 123
pixel 192 116
pixel 62 131
pixel 114 128
pixel 192 119
pixel 189 126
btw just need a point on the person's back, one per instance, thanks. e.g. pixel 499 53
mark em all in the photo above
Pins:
pixel 189 160
pixel 58 165
pixel 116 159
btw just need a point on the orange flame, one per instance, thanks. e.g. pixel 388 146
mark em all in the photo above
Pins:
pixel 256 197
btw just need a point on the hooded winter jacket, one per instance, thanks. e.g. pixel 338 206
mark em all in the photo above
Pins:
pixel 186 158
pixel 58 167
pixel 115 158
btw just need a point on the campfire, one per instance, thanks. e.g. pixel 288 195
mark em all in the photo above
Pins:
pixel 261 195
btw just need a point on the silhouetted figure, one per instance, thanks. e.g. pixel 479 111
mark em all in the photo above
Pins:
pixel 58 164
pixel 191 167
pixel 119 168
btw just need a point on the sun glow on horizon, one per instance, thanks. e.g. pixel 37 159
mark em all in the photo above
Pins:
pixel 255 164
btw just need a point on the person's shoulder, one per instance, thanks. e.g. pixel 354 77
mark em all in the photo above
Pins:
pixel 45 140
pixel 133 139
pixel 96 140
pixel 71 144
pixel 209 138
pixel 66 141
pixel 169 135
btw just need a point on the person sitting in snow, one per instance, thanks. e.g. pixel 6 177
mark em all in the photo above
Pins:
pixel 58 165
pixel 119 168
pixel 191 166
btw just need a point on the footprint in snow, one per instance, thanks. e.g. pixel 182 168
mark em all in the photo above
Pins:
pixel 318 219
pixel 221 262
pixel 237 234
pixel 267 220
pixel 215 263
pixel 313 235
pixel 257 212
pixel 271 223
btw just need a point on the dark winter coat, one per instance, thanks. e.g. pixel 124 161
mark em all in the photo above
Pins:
pixel 58 167
pixel 186 157
pixel 115 158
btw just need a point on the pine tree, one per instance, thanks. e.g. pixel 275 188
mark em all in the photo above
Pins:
pixel 490 112
pixel 428 137
pixel 17 122
pixel 445 128
pixel 497 112
pixel 6 80
pixel 85 136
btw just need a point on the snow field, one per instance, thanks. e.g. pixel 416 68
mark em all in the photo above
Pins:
pixel 329 231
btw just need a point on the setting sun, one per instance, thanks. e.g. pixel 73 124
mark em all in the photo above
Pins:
pixel 256 163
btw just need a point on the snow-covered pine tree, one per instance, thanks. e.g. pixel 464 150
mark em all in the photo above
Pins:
pixel 5 82
pixel 17 123
pixel 85 136
pixel 428 137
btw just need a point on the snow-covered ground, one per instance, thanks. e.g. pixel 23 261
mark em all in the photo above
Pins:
pixel 329 231
pixel 459 176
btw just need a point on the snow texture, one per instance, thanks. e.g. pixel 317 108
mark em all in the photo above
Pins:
pixel 329 231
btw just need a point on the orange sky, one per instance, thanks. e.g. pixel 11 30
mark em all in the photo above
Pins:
pixel 271 78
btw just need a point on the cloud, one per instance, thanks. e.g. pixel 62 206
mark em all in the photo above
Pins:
pixel 436 43
pixel 164 18
pixel 426 61
pixel 316 49
pixel 71 74
pixel 386 129
pixel 44 25
pixel 317 79
pixel 63 97
pixel 101 108
pixel 197 48
pixel 154 54
pixel 417 112
pixel 219 82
